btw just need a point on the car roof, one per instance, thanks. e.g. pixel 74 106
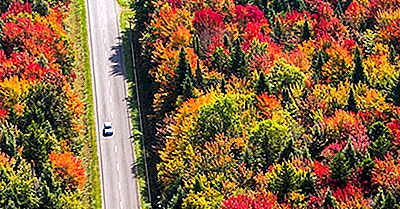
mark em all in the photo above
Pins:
pixel 107 123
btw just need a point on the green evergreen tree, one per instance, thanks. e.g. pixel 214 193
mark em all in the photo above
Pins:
pixel 340 169
pixel 351 102
pixel 359 73
pixel 239 67
pixel 278 31
pixel 379 147
pixel 330 201
pixel 286 180
pixel 223 86
pixel 199 76
pixel 306 33
pixel 317 67
pixel 288 151
pixel 49 189
pixel 38 143
pixel 217 60
pixel 262 85
pixel 227 42
pixel 188 87
pixel 350 154
pixel 196 45
pixel 367 166
pixel 8 138
pixel 393 55
pixel 394 95
pixel 4 4
pixel 41 7
pixel 308 184
pixel 182 71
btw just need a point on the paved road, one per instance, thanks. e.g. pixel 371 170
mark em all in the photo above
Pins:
pixel 115 153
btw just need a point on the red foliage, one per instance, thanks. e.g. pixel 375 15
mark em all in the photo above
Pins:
pixel 16 8
pixel 263 201
pixel 68 168
pixel 394 128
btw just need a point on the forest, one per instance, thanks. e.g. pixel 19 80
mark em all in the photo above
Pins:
pixel 40 111
pixel 275 103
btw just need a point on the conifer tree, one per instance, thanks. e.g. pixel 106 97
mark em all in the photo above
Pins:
pixel 262 85
pixel 223 86
pixel 340 169
pixel 196 45
pixel 379 147
pixel 395 93
pixel 367 166
pixel 317 67
pixel 227 42
pixel 188 87
pixel 329 201
pixel 308 184
pixel 49 189
pixel 288 151
pixel 306 33
pixel 350 154
pixel 182 71
pixel 393 55
pixel 8 138
pixel 359 73
pixel 199 76
pixel 286 180
pixel 351 102
pixel 41 7
pixel 239 67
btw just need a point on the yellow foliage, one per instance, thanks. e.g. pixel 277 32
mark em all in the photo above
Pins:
pixel 13 89
pixel 381 74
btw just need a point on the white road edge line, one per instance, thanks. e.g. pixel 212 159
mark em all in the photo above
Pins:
pixel 104 40
pixel 110 98
pixel 109 83
pixel 119 185
pixel 105 53
pixel 117 166
pixel 112 114
pixel 120 204
pixel 115 148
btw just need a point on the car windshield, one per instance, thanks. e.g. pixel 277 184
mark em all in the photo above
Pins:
pixel 107 125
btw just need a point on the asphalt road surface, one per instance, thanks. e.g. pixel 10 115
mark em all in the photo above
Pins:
pixel 118 185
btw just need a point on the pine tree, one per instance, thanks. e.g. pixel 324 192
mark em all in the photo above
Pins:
pixel 286 180
pixel 351 102
pixel 317 67
pixel 394 96
pixel 393 55
pixel 8 138
pixel 217 60
pixel 379 147
pixel 367 166
pixel 308 184
pixel 41 7
pixel 306 33
pixel 262 85
pixel 223 86
pixel 330 201
pixel 288 151
pixel 196 45
pixel 227 42
pixel 49 189
pixel 239 67
pixel 199 76
pixel 278 31
pixel 182 71
pixel 350 154
pixel 188 87
pixel 340 169
pixel 359 73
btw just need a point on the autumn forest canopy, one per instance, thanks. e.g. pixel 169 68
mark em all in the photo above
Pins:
pixel 276 103
pixel 40 112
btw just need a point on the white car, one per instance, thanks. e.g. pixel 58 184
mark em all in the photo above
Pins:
pixel 108 129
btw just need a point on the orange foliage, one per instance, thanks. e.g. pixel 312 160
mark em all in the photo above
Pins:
pixel 69 169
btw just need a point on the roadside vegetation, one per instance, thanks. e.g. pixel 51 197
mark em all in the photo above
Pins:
pixel 47 141
pixel 273 104
pixel 128 25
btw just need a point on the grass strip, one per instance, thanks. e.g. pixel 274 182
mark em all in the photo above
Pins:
pixel 79 33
